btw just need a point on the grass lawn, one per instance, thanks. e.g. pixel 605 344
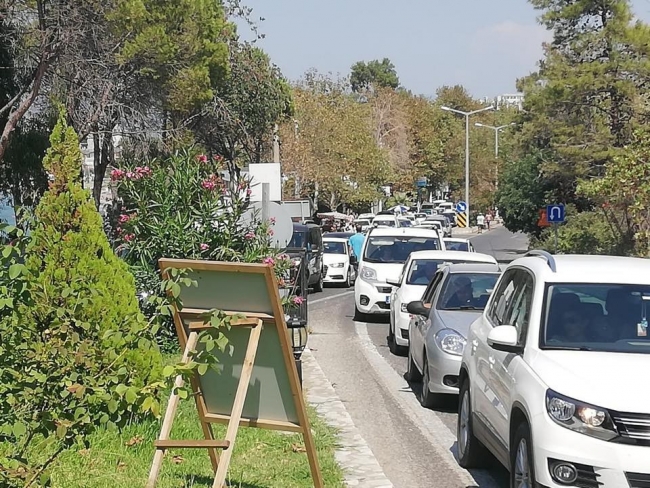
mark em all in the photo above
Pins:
pixel 262 458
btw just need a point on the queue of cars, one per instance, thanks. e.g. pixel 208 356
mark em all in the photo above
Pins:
pixel 549 357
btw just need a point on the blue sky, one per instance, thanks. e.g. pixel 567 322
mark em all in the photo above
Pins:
pixel 484 45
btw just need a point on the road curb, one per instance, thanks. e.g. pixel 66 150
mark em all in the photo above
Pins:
pixel 362 470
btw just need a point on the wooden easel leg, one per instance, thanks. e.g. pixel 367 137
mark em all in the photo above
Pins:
pixel 312 457
pixel 168 421
pixel 238 405
pixel 212 452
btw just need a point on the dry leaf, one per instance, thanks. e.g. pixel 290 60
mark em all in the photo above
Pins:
pixel 298 448
pixel 134 441
pixel 121 465
pixel 177 459
pixel 84 452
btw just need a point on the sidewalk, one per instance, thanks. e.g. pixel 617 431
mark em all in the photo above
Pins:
pixel 472 231
pixel 353 454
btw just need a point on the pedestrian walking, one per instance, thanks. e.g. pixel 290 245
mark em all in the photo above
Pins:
pixel 488 220
pixel 356 241
pixel 480 222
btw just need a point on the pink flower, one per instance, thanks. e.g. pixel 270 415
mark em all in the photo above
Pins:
pixel 248 192
pixel 124 218
pixel 270 232
pixel 284 257
pixel 129 237
pixel 117 174
pixel 204 246
pixel 130 175
pixel 208 185
pixel 141 172
pixel 298 300
pixel 216 157
pixel 224 191
pixel 269 260
pixel 272 220
pixel 249 235
pixel 202 158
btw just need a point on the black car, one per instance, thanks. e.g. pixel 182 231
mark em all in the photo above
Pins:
pixel 339 235
pixel 309 238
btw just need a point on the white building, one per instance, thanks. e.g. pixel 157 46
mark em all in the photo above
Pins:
pixel 510 100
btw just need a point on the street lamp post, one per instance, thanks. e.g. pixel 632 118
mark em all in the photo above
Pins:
pixel 467 115
pixel 496 146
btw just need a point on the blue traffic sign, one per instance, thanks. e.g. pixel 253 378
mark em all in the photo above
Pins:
pixel 421 183
pixel 461 207
pixel 555 213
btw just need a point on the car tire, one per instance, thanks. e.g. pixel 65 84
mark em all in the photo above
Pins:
pixel 471 452
pixel 428 399
pixel 522 464
pixel 318 287
pixel 412 374
pixel 392 341
pixel 348 281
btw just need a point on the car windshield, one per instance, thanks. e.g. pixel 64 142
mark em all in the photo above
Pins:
pixel 466 291
pixel 362 222
pixel 456 246
pixel 597 317
pixel 385 222
pixel 405 223
pixel 332 247
pixel 396 249
pixel 422 270
pixel 297 240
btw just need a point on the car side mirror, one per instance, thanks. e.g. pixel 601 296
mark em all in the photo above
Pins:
pixel 394 283
pixel 353 259
pixel 418 308
pixel 505 338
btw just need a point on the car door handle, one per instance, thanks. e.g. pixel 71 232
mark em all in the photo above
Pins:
pixel 491 361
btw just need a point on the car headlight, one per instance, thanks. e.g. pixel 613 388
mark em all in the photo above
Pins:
pixel 579 416
pixel 403 307
pixel 336 265
pixel 368 274
pixel 451 342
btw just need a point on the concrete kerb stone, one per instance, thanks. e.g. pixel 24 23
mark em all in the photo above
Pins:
pixel 362 470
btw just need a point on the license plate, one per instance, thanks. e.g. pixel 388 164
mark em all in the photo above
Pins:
pixel 388 300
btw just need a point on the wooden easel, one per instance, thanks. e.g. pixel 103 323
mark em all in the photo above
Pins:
pixel 186 320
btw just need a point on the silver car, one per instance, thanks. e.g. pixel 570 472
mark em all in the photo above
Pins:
pixel 454 299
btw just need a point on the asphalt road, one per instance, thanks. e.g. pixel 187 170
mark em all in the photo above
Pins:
pixel 415 446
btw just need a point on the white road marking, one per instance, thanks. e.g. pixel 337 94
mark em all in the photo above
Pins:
pixel 319 300
pixel 428 422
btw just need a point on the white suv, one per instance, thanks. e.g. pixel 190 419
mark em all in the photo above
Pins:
pixel 385 250
pixel 554 378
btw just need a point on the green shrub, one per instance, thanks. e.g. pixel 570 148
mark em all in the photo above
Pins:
pixel 76 354
pixel 583 233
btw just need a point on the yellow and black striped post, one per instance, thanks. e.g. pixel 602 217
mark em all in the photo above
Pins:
pixel 461 219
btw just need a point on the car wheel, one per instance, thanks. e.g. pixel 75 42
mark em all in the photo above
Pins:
pixel 348 281
pixel 427 399
pixel 522 466
pixel 471 453
pixel 412 373
pixel 318 287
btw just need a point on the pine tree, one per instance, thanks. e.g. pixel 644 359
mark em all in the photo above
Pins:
pixel 72 260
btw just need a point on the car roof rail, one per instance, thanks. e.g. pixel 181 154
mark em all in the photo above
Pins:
pixel 550 260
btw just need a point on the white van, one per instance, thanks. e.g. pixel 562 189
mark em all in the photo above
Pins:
pixel 384 253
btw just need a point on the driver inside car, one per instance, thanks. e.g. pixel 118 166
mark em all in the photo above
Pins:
pixel 464 295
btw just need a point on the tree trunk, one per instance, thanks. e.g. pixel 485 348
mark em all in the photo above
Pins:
pixel 97 159
pixel 101 165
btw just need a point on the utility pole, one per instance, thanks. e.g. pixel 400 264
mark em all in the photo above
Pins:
pixel 496 147
pixel 467 115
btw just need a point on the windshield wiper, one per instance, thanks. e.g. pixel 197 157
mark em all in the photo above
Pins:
pixel 464 307
pixel 568 348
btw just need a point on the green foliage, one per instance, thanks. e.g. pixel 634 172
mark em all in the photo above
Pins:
pixel 178 47
pixel 583 233
pixel 182 207
pixel 522 193
pixel 76 354
pixel 377 74
pixel 238 122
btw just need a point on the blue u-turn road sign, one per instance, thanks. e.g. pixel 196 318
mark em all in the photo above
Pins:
pixel 461 207
pixel 555 213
